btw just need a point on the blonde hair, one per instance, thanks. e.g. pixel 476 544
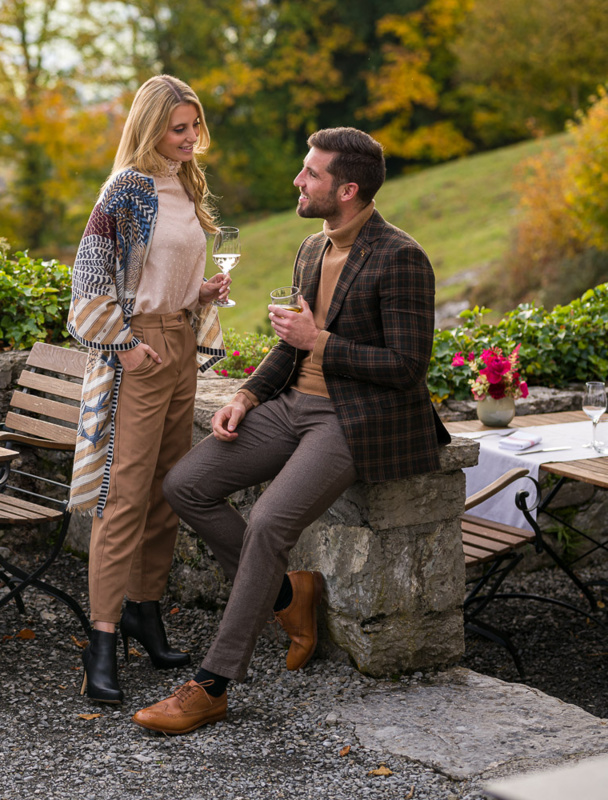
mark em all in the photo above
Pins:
pixel 147 123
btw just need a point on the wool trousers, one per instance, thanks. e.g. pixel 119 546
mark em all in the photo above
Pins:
pixel 132 544
pixel 296 442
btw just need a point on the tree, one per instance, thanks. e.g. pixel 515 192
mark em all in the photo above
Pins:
pixel 53 148
pixel 409 93
pixel 526 68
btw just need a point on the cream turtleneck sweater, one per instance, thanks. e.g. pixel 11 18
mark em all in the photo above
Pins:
pixel 175 267
pixel 310 377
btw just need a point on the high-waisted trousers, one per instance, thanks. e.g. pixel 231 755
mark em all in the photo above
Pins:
pixel 132 544
pixel 295 440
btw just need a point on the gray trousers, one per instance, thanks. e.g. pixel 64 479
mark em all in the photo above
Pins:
pixel 294 440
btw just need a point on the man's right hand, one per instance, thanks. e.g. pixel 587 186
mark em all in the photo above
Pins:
pixel 226 420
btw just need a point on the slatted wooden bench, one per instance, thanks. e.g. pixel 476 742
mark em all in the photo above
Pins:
pixel 43 413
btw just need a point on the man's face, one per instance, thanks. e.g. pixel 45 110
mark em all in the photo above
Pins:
pixel 318 198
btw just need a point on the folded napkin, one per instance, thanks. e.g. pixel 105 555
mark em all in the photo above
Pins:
pixel 519 442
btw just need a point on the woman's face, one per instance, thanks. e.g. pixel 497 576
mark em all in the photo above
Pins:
pixel 183 132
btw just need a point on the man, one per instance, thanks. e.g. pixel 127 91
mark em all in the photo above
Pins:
pixel 341 397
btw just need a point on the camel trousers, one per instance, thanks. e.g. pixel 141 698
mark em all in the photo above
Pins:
pixel 132 544
pixel 297 441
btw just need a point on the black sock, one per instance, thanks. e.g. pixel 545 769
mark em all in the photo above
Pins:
pixel 218 687
pixel 285 595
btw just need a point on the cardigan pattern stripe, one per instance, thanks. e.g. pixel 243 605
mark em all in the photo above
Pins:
pixel 106 274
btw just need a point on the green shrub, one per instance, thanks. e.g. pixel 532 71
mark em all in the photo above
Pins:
pixel 245 352
pixel 566 345
pixel 34 300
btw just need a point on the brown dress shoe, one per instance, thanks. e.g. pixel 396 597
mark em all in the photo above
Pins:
pixel 186 709
pixel 299 619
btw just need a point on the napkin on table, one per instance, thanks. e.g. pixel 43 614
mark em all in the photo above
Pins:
pixel 520 442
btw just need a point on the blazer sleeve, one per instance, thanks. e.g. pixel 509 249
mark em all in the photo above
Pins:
pixel 384 332
pixel 96 318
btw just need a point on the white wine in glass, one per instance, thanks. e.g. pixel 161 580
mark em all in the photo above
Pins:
pixel 226 254
pixel 594 405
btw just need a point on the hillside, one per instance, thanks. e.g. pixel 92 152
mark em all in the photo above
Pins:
pixel 461 212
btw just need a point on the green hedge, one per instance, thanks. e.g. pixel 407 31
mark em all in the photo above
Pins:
pixel 34 300
pixel 566 345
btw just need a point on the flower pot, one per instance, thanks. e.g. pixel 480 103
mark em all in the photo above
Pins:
pixel 496 413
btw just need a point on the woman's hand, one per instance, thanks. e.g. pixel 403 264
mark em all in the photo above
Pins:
pixel 216 288
pixel 131 359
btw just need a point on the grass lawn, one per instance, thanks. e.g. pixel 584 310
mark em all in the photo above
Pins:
pixel 462 213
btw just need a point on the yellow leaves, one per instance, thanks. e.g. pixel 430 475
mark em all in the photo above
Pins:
pixel 81 643
pixel 382 771
pixel 24 633
pixel 89 716
pixel 345 751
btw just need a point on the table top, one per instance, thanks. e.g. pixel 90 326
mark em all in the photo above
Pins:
pixel 7 455
pixel 592 470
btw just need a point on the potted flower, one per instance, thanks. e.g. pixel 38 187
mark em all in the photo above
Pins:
pixel 495 383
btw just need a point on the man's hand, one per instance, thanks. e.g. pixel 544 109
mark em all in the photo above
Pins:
pixel 226 420
pixel 216 288
pixel 298 330
pixel 131 359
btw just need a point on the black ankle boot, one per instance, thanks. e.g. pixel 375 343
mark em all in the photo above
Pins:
pixel 143 622
pixel 100 678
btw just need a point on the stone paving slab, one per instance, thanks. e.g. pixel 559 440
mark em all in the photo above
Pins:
pixel 588 779
pixel 464 724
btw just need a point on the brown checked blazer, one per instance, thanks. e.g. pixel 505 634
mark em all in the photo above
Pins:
pixel 381 321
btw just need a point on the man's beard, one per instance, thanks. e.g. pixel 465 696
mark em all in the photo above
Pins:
pixel 324 208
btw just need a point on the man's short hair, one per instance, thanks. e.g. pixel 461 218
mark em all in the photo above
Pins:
pixel 359 159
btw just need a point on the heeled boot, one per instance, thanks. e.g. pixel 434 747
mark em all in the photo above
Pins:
pixel 143 622
pixel 100 681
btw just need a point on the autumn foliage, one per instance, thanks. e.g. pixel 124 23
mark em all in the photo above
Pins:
pixel 560 245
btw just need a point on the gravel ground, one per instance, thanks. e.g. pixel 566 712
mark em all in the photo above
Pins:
pixel 280 739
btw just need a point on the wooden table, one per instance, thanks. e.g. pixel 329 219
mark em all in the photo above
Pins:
pixel 589 470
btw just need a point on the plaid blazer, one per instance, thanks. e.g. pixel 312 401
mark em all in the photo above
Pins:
pixel 381 321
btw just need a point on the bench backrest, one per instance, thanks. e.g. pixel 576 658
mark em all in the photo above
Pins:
pixel 45 409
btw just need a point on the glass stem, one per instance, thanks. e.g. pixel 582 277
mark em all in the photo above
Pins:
pixel 594 423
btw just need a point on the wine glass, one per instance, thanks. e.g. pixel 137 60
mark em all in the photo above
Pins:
pixel 226 255
pixel 594 405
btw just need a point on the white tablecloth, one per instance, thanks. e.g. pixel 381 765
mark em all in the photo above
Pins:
pixel 495 461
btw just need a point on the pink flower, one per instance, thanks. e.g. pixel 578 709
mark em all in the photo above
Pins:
pixel 471 357
pixel 236 353
pixel 523 387
pixel 224 372
pixel 496 368
pixel 458 360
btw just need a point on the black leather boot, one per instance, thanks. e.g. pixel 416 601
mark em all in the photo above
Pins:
pixel 143 622
pixel 100 680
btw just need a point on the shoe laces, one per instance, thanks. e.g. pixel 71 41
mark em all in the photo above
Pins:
pixel 186 690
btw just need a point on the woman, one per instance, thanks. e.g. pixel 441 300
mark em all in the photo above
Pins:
pixel 142 306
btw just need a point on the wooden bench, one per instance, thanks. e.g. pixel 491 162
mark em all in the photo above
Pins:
pixel 43 414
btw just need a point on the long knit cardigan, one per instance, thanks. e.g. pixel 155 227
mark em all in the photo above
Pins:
pixel 106 275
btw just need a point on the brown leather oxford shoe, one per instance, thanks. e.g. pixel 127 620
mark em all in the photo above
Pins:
pixel 186 709
pixel 299 619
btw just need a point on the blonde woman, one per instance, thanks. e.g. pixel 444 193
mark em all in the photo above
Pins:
pixel 142 306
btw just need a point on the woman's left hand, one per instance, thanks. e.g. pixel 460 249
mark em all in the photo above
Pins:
pixel 216 288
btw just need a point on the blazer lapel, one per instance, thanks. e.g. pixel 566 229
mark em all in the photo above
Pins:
pixel 311 274
pixel 359 253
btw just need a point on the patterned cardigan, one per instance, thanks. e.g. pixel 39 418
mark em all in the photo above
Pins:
pixel 106 274
pixel 381 327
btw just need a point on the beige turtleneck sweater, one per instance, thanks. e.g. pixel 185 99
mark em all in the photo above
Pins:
pixel 310 377
pixel 175 267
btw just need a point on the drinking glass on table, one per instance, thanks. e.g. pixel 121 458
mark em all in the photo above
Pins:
pixel 287 297
pixel 226 255
pixel 594 405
